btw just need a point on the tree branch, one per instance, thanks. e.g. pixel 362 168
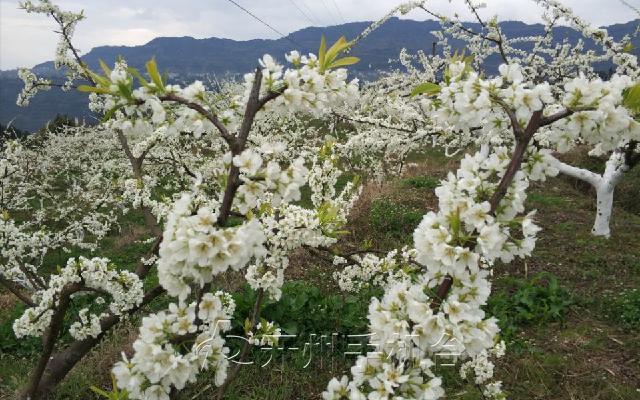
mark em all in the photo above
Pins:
pixel 13 288
pixel 224 132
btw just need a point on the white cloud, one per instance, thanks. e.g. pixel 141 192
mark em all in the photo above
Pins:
pixel 28 39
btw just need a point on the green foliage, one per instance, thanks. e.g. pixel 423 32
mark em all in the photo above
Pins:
pixel 154 74
pixel 521 303
pixel 304 309
pixel 548 200
pixel 113 394
pixel 631 98
pixel 467 60
pixel 393 218
pixel 626 308
pixel 427 88
pixel 105 85
pixel 421 182
pixel 9 344
pixel 327 59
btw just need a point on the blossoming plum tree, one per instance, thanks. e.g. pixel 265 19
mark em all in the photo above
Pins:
pixel 395 123
pixel 434 307
pixel 238 214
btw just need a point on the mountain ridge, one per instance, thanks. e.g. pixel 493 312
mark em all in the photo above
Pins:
pixel 187 58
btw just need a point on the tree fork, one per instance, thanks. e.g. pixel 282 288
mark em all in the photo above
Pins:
pixel 522 141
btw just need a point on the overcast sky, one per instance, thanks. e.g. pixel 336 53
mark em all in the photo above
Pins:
pixel 28 39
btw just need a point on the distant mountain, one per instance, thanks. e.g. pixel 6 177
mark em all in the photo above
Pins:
pixel 186 58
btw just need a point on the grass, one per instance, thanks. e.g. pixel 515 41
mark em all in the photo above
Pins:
pixel 570 312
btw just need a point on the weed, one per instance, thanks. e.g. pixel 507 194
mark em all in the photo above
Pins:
pixel 393 218
pixel 421 182
pixel 536 301
pixel 304 310
pixel 626 308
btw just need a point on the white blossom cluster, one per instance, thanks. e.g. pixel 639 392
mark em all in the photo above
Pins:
pixel 266 333
pixel 456 242
pixel 290 226
pixel 408 336
pixel 65 57
pixel 306 87
pixel 482 368
pixel 606 125
pixel 284 184
pixel 194 249
pixel 156 110
pixel 123 288
pixel 371 270
pixel 594 107
pixel 286 228
pixel 31 86
pixel 463 231
pixel 55 195
pixel 160 364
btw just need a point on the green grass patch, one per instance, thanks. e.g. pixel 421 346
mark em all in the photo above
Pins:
pixel 392 218
pixel 528 302
pixel 421 182
pixel 624 308
pixel 304 310
pixel 548 200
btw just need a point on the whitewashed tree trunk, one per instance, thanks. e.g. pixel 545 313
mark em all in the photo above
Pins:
pixel 614 170
pixel 604 185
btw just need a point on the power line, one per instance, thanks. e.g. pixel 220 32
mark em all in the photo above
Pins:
pixel 301 12
pixel 339 12
pixel 310 11
pixel 264 23
pixel 331 16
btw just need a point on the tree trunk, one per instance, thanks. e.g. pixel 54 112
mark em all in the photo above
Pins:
pixel 604 185
pixel 62 361
pixel 614 170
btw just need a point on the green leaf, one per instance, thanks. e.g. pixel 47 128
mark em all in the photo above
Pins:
pixel 322 51
pixel 339 46
pixel 154 74
pixel 628 48
pixel 327 58
pixel 109 114
pixel 631 98
pixel 100 392
pixel 136 74
pixel 102 81
pixel 344 61
pixel 105 68
pixel 290 328
pixel 125 90
pixel 427 88
pixel 92 89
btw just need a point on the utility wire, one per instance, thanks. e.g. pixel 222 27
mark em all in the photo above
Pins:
pixel 302 12
pixel 331 16
pixel 264 23
pixel 310 11
pixel 339 12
